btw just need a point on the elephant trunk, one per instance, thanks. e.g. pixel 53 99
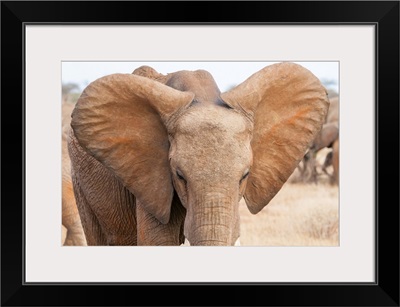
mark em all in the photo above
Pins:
pixel 213 220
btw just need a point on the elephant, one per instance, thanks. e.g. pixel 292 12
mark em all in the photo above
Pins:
pixel 333 112
pixel 332 141
pixel 159 159
pixel 328 135
pixel 335 161
pixel 332 158
pixel 70 215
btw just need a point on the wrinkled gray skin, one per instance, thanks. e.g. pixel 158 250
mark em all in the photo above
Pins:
pixel 160 158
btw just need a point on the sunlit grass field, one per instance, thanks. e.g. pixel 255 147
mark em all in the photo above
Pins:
pixel 299 215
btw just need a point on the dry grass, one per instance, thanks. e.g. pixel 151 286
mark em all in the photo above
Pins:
pixel 299 215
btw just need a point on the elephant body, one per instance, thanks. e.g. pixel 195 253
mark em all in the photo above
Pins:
pixel 157 159
pixel 335 161
pixel 70 214
pixel 108 218
pixel 331 130
pixel 333 117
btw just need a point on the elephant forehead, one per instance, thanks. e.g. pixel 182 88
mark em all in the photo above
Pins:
pixel 212 119
pixel 219 133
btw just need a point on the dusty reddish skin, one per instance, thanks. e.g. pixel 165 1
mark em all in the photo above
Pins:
pixel 157 158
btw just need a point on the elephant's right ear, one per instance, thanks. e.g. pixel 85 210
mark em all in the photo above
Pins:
pixel 120 120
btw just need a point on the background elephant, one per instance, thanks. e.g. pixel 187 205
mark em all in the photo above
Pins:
pixel 160 158
pixel 70 215
pixel 328 135
pixel 333 117
pixel 332 159
pixel 335 161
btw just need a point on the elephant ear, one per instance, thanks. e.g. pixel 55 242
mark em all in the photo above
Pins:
pixel 120 120
pixel 288 106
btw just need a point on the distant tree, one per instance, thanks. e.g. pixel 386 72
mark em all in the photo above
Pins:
pixel 70 92
pixel 69 88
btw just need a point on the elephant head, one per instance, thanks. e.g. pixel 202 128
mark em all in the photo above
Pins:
pixel 177 133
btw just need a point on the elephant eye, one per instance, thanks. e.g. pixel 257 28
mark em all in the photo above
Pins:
pixel 246 174
pixel 180 176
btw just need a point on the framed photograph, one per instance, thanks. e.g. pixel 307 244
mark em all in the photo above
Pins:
pixel 329 235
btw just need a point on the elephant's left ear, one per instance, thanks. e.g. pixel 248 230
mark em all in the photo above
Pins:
pixel 288 105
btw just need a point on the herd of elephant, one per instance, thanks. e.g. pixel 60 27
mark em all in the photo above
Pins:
pixel 328 138
pixel 153 159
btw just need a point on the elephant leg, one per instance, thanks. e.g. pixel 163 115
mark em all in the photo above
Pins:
pixel 314 174
pixel 152 232
pixel 118 217
pixel 70 217
pixel 75 234
pixel 115 223
pixel 304 165
pixel 102 230
pixel 106 207
pixel 327 164
pixel 91 226
pixel 72 223
pixel 310 172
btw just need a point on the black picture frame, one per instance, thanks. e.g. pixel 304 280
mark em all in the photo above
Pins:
pixel 384 15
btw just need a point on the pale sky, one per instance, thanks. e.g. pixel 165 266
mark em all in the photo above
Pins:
pixel 226 74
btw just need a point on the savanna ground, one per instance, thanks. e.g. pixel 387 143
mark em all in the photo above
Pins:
pixel 299 215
